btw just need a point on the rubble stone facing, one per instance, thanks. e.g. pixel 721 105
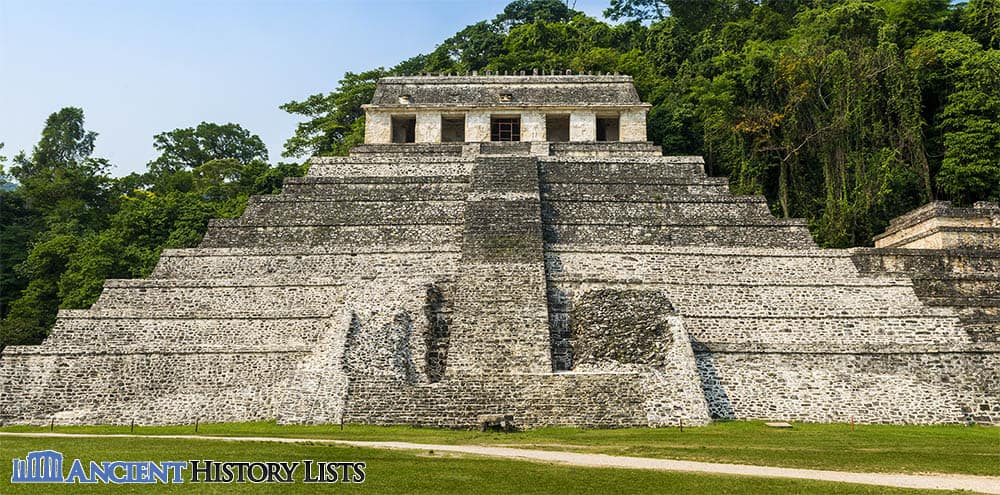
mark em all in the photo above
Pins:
pixel 585 284
pixel 618 327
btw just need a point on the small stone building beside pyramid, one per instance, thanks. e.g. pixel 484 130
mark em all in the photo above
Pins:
pixel 512 245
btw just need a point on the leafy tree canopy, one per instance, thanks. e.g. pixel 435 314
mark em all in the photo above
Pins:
pixel 68 226
pixel 187 148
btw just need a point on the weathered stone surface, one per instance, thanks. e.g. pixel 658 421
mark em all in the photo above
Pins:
pixel 614 327
pixel 577 283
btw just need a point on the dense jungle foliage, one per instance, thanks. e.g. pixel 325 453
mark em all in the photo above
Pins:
pixel 846 113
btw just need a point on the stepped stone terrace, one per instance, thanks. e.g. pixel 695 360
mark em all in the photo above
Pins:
pixel 512 245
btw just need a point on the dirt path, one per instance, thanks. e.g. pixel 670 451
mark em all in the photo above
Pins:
pixel 982 484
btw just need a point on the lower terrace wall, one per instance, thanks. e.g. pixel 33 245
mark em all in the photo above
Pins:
pixel 149 387
pixel 900 388
pixel 594 399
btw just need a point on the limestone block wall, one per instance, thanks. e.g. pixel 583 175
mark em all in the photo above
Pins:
pixel 428 127
pixel 772 300
pixel 609 400
pixel 910 261
pixel 366 168
pixel 605 149
pixel 366 200
pixel 820 386
pixel 532 126
pixel 155 386
pixel 226 234
pixel 673 392
pixel 477 126
pixel 939 225
pixel 378 127
pixel 582 126
pixel 79 330
pixel 965 280
pixel 632 126
pixel 347 263
pixel 399 189
pixel 316 391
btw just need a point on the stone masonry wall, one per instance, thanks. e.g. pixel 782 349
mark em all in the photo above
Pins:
pixel 917 388
pixel 428 284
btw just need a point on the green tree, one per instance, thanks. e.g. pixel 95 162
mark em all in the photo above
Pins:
pixel 970 125
pixel 31 314
pixel 469 50
pixel 63 193
pixel 60 180
pixel 187 148
pixel 336 120
pixel 637 9
pixel 148 222
pixel 981 20
pixel 67 227
pixel 530 11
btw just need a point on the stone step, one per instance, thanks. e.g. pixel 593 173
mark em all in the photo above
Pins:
pixel 384 180
pixel 765 300
pixel 240 296
pixel 958 285
pixel 388 167
pixel 298 212
pixel 300 250
pixel 983 261
pixel 181 313
pixel 655 159
pixel 712 251
pixel 617 149
pixel 721 210
pixel 779 234
pixel 344 265
pixel 695 276
pixel 364 191
pixel 850 331
pixel 630 172
pixel 184 333
pixel 233 234
pixel 408 149
pixel 790 329
pixel 678 190
pixel 738 265
pixel 962 301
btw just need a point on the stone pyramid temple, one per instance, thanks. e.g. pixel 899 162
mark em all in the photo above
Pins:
pixel 512 245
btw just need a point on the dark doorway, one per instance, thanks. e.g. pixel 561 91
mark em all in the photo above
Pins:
pixel 505 129
pixel 557 128
pixel 404 129
pixel 607 129
pixel 453 129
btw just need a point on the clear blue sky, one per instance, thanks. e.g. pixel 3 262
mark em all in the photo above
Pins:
pixel 141 67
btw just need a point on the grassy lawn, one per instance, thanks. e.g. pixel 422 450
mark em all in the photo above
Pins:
pixel 871 448
pixel 393 471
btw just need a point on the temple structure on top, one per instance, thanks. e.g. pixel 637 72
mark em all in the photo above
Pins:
pixel 443 109
pixel 513 246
